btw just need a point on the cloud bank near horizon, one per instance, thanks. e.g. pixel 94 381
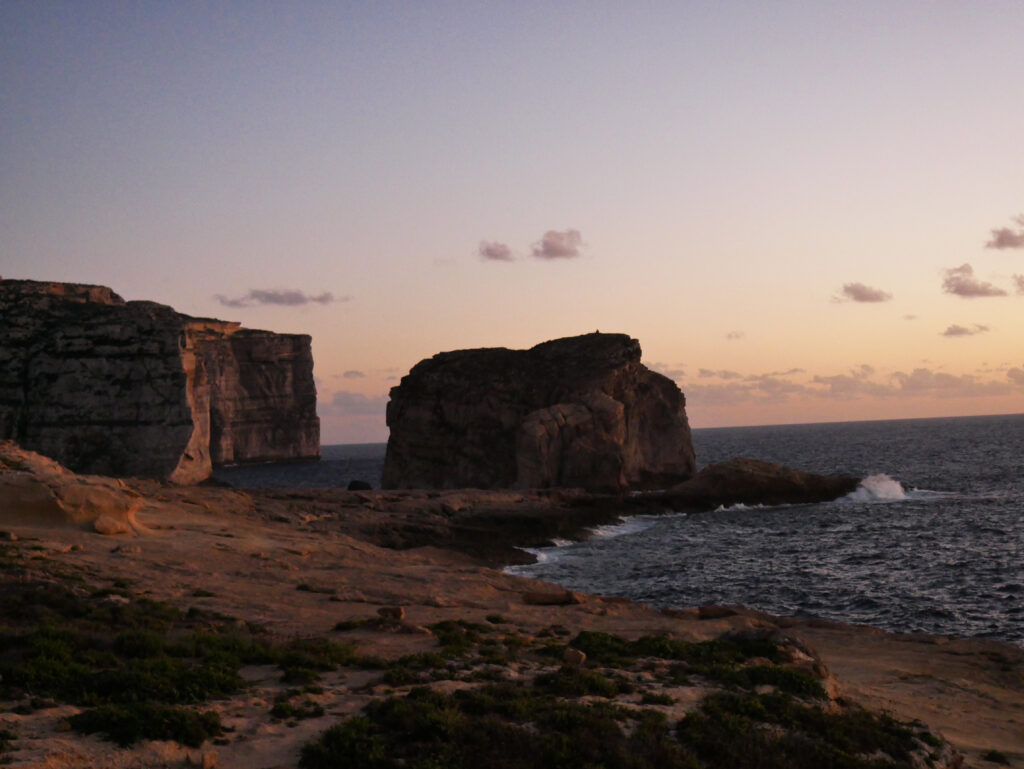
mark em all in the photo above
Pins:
pixel 283 297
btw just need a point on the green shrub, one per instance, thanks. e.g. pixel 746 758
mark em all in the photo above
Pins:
pixel 148 721
pixel 506 726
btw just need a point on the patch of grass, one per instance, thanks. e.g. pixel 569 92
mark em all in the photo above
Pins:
pixel 284 709
pixel 505 726
pixel 748 731
pixel 137 656
pixel 149 721
pixel 458 637
pixel 579 682
pixel 496 619
pixel 613 650
pixel 656 698
pixel 6 738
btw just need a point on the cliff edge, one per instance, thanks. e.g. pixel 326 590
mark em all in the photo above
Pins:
pixel 575 412
pixel 137 389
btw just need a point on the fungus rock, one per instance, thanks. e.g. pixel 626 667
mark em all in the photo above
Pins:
pixel 576 412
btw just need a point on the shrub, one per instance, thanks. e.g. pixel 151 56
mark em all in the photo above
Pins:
pixel 148 721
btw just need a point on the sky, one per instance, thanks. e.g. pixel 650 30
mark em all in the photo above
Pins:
pixel 805 211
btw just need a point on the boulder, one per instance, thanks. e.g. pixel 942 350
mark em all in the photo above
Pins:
pixel 36 491
pixel 136 389
pixel 755 482
pixel 578 412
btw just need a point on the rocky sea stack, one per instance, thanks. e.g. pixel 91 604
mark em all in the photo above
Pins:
pixel 136 389
pixel 575 412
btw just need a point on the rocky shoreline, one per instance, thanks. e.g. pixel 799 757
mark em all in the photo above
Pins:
pixel 363 597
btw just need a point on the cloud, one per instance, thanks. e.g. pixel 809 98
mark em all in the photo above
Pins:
pixel 666 369
pixel 558 245
pixel 922 381
pixel 858 292
pixel 909 317
pixel 1019 281
pixel 353 374
pixel 859 382
pixel 286 297
pixel 721 374
pixel 348 403
pixel 960 281
pixel 494 251
pixel 956 330
pixel 1005 237
pixel 734 335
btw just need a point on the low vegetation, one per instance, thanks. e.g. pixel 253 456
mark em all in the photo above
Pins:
pixel 138 667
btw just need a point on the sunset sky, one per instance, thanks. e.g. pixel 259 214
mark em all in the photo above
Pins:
pixel 805 211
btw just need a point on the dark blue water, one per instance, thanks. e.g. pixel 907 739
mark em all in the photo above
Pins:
pixel 938 548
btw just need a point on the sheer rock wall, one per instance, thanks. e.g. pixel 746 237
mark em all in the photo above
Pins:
pixel 137 389
pixel 577 412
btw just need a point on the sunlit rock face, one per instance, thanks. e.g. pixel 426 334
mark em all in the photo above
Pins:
pixel 137 389
pixel 576 412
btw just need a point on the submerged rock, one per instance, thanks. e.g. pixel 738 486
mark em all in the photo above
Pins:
pixel 755 482
pixel 576 412
pixel 134 388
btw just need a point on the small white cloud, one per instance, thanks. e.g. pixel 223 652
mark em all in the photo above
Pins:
pixel 960 281
pixel 858 292
pixel 1006 237
pixel 494 251
pixel 957 330
pixel 556 244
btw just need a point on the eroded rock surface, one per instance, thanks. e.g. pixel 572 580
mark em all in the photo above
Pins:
pixel 755 482
pixel 575 412
pixel 137 389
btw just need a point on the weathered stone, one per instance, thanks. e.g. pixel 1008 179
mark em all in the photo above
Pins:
pixel 575 412
pixel 552 598
pixel 395 613
pixel 573 657
pixel 137 389
pixel 754 482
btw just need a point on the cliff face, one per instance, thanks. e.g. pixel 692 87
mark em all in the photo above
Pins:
pixel 135 388
pixel 576 412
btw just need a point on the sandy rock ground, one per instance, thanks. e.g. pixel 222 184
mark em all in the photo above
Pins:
pixel 298 569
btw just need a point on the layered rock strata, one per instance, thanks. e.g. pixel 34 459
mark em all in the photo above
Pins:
pixel 137 389
pixel 576 412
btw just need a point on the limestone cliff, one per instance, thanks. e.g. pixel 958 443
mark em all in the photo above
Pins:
pixel 575 412
pixel 135 388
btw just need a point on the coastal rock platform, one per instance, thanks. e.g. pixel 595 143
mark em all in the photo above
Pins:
pixel 291 565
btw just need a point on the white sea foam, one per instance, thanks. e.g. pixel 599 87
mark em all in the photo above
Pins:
pixel 737 506
pixel 632 525
pixel 877 488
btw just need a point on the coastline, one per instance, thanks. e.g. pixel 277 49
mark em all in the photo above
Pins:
pixel 299 564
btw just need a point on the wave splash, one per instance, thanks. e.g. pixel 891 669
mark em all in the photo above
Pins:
pixel 877 488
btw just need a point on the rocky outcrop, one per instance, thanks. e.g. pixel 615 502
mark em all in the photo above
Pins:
pixel 754 482
pixel 576 412
pixel 37 491
pixel 137 389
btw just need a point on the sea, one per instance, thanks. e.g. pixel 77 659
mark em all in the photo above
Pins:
pixel 932 540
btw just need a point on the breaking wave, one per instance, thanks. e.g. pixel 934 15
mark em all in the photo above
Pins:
pixel 877 488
